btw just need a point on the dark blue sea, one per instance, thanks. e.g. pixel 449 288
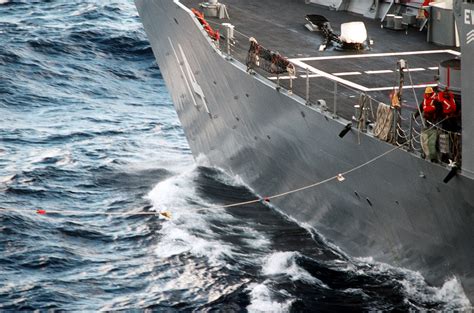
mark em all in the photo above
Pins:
pixel 87 128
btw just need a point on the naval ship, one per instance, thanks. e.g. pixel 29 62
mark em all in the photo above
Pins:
pixel 270 91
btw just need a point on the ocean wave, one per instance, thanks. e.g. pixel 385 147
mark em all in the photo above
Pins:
pixel 121 73
pixel 47 261
pixel 50 47
pixel 9 57
pixel 284 263
pixel 131 43
pixel 262 300
pixel 7 179
pixel 417 293
pixel 77 231
pixel 136 178
pixel 16 223
pixel 53 156
pixel 188 231
pixel 81 135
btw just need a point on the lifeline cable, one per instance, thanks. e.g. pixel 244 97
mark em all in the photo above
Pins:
pixel 235 30
pixel 348 87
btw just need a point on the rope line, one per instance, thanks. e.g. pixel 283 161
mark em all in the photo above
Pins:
pixel 71 212
pixel 167 215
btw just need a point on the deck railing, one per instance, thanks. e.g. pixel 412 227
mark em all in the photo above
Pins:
pixel 327 95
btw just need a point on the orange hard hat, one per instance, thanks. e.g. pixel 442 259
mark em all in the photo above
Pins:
pixel 429 90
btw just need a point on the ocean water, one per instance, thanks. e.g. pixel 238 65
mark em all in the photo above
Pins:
pixel 87 126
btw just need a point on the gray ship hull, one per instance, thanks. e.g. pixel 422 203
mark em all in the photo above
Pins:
pixel 396 209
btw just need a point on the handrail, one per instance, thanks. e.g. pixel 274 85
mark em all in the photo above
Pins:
pixel 405 128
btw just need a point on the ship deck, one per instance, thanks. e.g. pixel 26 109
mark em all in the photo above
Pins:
pixel 278 25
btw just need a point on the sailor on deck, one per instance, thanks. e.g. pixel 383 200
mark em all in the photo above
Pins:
pixel 446 98
pixel 431 110
pixel 430 106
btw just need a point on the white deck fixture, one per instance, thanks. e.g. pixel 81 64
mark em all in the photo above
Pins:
pixel 353 32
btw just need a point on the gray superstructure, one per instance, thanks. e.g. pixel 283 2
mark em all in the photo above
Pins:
pixel 395 209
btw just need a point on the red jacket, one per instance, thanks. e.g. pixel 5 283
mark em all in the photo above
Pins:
pixel 447 100
pixel 429 108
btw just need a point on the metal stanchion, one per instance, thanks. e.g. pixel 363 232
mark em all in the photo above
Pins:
pixel 290 92
pixel 394 125
pixel 229 37
pixel 307 86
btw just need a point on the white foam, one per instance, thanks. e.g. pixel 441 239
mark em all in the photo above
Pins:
pixel 284 263
pixel 255 239
pixel 175 193
pixel 261 300
pixel 451 294
pixel 234 180
pixel 174 244
pixel 176 240
pixel 203 160
pixel 188 230
pixel 250 236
